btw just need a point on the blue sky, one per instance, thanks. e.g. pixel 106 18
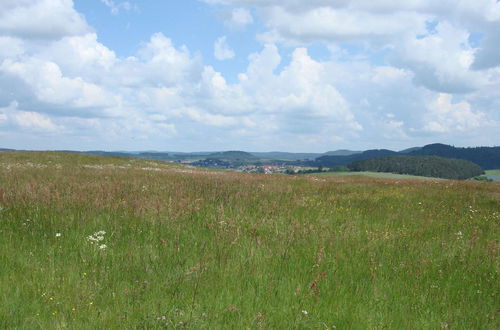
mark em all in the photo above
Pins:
pixel 255 75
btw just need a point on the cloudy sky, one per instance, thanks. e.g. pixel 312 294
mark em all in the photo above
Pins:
pixel 255 75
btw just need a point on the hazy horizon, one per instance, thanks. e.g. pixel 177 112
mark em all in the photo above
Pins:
pixel 225 150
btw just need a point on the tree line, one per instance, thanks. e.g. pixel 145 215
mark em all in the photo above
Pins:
pixel 430 166
pixel 486 157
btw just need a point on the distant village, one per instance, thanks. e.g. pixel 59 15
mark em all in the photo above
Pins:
pixel 248 168
pixel 270 169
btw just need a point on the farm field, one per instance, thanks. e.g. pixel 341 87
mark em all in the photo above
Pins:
pixel 379 175
pixel 493 174
pixel 102 242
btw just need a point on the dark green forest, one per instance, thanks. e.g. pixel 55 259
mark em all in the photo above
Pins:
pixel 332 161
pixel 486 157
pixel 431 166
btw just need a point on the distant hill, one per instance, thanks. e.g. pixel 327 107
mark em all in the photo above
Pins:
pixel 156 155
pixel 290 156
pixel 341 152
pixel 232 155
pixel 106 153
pixel 431 166
pixel 294 156
pixel 332 161
pixel 407 151
pixel 486 157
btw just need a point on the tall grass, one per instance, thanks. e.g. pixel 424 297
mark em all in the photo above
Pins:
pixel 202 249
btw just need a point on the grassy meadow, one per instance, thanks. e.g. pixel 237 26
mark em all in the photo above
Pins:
pixel 93 242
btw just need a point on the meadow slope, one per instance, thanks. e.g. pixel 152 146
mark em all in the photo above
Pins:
pixel 94 242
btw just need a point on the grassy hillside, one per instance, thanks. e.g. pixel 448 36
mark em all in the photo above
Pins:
pixel 94 242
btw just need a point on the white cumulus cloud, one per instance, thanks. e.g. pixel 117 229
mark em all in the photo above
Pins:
pixel 28 121
pixel 222 50
pixel 40 19
pixel 238 18
pixel 445 115
pixel 115 7
pixel 440 60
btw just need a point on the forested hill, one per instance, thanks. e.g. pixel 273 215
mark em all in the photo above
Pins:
pixel 332 161
pixel 431 166
pixel 232 155
pixel 486 157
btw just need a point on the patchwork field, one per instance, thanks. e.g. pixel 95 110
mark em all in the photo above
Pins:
pixel 379 175
pixel 493 174
pixel 94 242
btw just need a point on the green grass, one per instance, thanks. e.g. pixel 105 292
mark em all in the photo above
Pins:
pixel 189 248
pixel 380 175
pixel 494 174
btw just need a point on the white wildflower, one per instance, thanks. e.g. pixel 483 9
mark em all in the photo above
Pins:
pixel 102 246
pixel 305 312
pixel 58 234
pixel 97 237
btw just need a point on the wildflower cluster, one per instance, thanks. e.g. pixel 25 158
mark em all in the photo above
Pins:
pixel 97 238
pixel 177 318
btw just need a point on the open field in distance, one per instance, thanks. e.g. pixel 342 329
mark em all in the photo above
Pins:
pixel 95 242
pixel 379 175
pixel 493 174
